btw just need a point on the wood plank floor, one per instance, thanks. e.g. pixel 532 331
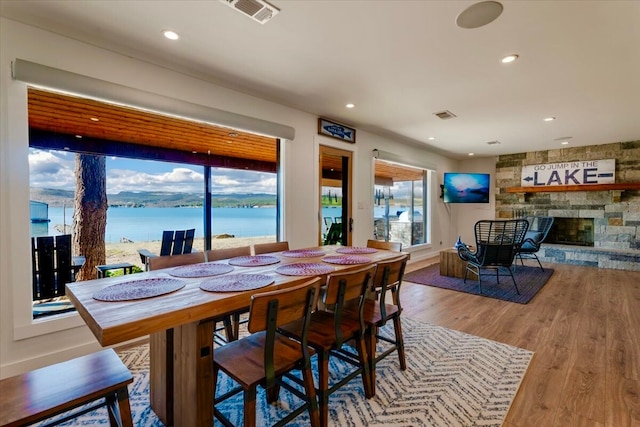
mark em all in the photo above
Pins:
pixel 584 327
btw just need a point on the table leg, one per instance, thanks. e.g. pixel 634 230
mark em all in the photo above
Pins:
pixel 193 374
pixel 161 375
pixel 181 375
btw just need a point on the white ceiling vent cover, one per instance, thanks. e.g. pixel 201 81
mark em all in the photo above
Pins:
pixel 258 10
pixel 446 114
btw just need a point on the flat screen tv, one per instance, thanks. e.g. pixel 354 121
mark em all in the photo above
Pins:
pixel 466 187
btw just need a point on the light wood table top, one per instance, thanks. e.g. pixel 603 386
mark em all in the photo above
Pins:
pixel 116 322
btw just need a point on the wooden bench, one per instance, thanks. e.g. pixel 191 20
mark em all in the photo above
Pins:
pixel 46 392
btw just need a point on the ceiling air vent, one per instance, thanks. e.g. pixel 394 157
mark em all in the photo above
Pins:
pixel 258 10
pixel 446 114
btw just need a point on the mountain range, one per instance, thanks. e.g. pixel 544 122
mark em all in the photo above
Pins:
pixel 155 199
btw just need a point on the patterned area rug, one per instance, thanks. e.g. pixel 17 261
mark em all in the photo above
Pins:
pixel 452 379
pixel 529 279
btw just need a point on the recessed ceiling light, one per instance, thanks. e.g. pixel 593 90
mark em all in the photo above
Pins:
pixel 350 105
pixel 194 152
pixel 564 142
pixel 94 119
pixel 79 136
pixel 472 154
pixel 233 134
pixel 171 35
pixel 509 58
pixel 549 119
pixel 431 138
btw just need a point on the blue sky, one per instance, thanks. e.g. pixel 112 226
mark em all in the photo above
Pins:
pixel 55 169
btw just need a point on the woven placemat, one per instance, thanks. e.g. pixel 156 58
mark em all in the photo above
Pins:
pixel 202 269
pixel 303 253
pixel 346 259
pixel 236 282
pixel 356 250
pixel 254 261
pixel 139 289
pixel 305 269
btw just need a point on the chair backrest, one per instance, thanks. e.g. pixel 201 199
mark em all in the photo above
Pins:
pixel 292 305
pixel 225 253
pixel 345 288
pixel 381 244
pixel 334 235
pixel 51 265
pixel 498 241
pixel 265 248
pixel 388 277
pixel 270 310
pixel 167 261
pixel 177 242
pixel 539 227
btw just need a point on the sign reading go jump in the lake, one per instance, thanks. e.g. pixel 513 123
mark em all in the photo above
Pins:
pixel 570 173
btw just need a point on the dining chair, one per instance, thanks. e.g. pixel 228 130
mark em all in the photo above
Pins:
pixel 266 357
pixel 330 329
pixel 381 244
pixel 168 261
pixel 382 307
pixel 497 243
pixel 265 248
pixel 231 322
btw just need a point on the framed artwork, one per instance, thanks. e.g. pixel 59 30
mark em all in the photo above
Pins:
pixel 336 130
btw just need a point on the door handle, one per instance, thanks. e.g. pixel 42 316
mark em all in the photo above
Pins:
pixel 350 225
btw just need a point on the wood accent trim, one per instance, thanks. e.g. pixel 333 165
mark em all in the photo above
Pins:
pixel 588 187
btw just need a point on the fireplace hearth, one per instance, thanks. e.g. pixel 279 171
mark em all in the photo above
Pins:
pixel 572 231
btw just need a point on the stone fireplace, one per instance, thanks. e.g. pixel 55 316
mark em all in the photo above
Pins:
pixel 591 226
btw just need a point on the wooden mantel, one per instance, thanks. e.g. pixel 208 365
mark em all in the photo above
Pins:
pixel 588 187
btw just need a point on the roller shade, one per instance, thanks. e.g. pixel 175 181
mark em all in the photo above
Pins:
pixel 54 78
pixel 394 158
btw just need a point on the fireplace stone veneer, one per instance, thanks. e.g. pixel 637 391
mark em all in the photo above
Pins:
pixel 615 214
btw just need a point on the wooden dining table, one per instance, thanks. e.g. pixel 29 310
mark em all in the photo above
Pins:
pixel 180 327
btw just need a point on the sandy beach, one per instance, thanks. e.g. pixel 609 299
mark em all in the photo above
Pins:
pixel 128 252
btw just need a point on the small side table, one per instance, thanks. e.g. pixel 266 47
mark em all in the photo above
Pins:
pixel 127 268
pixel 451 264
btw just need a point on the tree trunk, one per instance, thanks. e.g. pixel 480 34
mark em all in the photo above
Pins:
pixel 90 213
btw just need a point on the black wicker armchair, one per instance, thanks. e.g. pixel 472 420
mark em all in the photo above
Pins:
pixel 539 227
pixel 497 243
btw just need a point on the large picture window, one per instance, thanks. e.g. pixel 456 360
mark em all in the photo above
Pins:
pixel 400 203
pixel 156 173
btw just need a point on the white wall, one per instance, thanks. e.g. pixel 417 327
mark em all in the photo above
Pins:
pixel 25 344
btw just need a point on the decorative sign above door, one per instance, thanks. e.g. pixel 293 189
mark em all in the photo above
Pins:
pixel 582 172
pixel 335 130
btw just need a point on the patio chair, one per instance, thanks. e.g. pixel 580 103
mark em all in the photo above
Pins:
pixel 51 266
pixel 173 243
pixel 539 227
pixel 334 235
pixel 497 243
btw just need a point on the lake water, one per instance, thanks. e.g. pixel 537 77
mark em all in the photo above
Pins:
pixel 145 224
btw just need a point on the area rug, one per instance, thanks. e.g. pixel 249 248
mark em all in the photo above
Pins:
pixel 452 379
pixel 529 279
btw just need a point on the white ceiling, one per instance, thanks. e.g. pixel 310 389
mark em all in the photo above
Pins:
pixel 398 61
